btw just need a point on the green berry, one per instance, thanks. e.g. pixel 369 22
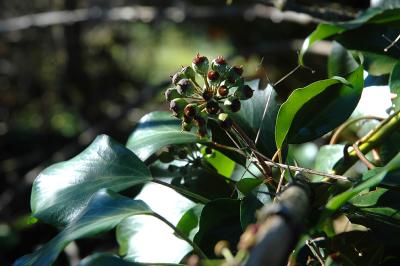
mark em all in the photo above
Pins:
pixel 185 87
pixel 177 77
pixel 170 94
pixel 244 92
pixel 182 154
pixel 233 104
pixel 189 73
pixel 207 95
pixel 208 150
pixel 165 157
pixel 177 106
pixel 238 70
pixel 219 65
pixel 200 65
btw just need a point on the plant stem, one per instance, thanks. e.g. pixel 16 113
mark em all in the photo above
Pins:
pixel 196 248
pixel 182 191
pixel 370 141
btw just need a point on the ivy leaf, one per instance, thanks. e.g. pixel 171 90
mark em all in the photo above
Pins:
pixel 394 84
pixel 370 179
pixel 104 211
pixel 143 238
pixel 249 118
pixel 62 190
pixel 247 185
pixel 189 222
pixel 335 99
pixel 248 207
pixel 340 61
pixel 220 162
pixel 156 130
pixel 327 157
pixel 373 17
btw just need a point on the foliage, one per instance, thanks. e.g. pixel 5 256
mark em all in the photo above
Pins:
pixel 214 155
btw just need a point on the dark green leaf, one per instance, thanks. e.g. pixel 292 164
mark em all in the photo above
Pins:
pixel 246 185
pixel 220 219
pixel 156 130
pixel 104 211
pixel 249 118
pixel 340 61
pixel 248 207
pixel 62 190
pixel 327 157
pixel 378 64
pixel 316 109
pixel 394 84
pixel 370 179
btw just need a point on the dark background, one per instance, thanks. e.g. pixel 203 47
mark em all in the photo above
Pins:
pixel 70 70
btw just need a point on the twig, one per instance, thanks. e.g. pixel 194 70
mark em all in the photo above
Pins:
pixel 393 43
pixel 362 157
pixel 348 123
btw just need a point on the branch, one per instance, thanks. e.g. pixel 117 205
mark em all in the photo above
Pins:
pixel 369 142
pixel 280 225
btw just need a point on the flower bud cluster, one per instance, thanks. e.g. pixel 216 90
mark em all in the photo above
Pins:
pixel 222 90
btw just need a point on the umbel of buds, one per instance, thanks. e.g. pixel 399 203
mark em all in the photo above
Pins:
pixel 215 95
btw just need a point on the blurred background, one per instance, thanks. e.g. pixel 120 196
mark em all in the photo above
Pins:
pixel 70 70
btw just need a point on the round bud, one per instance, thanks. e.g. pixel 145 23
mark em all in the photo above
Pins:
pixel 170 94
pixel 208 150
pixel 233 104
pixel 177 106
pixel 201 120
pixel 224 121
pixel 233 79
pixel 189 73
pixel 165 157
pixel 213 76
pixel 190 110
pixel 219 64
pixel 244 92
pixel 212 107
pixel 185 87
pixel 200 64
pixel 223 91
pixel 177 77
pixel 207 95
pixel 187 119
pixel 238 70
pixel 182 154
pixel 172 168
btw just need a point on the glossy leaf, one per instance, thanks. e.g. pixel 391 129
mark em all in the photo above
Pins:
pixel 370 179
pixel 249 118
pixel 189 223
pixel 156 130
pixel 327 157
pixel 394 84
pixel 340 61
pixel 248 207
pixel 104 164
pixel 316 109
pixel 221 163
pixel 247 185
pixel 326 30
pixel 144 238
pixel 219 220
pixel 378 64
pixel 104 211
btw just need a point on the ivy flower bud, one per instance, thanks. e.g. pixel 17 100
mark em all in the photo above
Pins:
pixel 224 121
pixel 233 79
pixel 233 104
pixel 201 119
pixel 189 73
pixel 223 91
pixel 219 65
pixel 212 75
pixel 185 87
pixel 212 107
pixel 165 157
pixel 177 77
pixel 190 110
pixel 177 106
pixel 200 65
pixel 170 94
pixel 244 92
pixel 207 95
pixel 238 70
